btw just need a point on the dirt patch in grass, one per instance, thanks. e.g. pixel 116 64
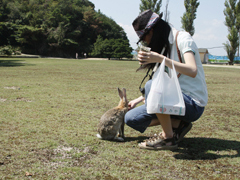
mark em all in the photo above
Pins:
pixel 12 87
pixel 64 156
pixel 22 99
pixel 2 100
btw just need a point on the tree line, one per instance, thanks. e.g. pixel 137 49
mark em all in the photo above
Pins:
pixel 65 27
pixel 58 28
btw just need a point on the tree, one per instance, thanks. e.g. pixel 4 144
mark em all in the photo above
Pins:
pixel 122 49
pixel 4 10
pixel 7 33
pixel 232 18
pixel 54 27
pixel 98 47
pixel 190 15
pixel 31 39
pixel 154 5
pixel 112 48
pixel 167 12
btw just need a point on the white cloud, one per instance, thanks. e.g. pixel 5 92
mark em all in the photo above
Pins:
pixel 211 34
pixel 209 30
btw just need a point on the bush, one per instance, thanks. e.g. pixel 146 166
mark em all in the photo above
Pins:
pixel 9 50
pixel 6 50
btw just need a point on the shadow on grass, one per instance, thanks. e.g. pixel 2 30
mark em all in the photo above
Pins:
pixel 129 139
pixel 12 63
pixel 207 149
pixel 138 139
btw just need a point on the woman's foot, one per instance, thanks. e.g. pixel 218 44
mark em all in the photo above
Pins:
pixel 182 130
pixel 159 142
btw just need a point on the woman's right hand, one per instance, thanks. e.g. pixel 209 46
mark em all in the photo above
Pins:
pixel 132 104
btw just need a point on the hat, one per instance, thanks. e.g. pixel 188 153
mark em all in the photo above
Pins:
pixel 145 22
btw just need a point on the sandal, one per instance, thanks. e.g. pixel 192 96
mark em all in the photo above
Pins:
pixel 154 140
pixel 159 143
pixel 182 130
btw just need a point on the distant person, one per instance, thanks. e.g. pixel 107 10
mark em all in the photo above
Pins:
pixel 158 34
pixel 76 55
pixel 85 55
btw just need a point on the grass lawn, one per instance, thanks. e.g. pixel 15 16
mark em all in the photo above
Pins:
pixel 50 108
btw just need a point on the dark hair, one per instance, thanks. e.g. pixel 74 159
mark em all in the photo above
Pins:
pixel 159 40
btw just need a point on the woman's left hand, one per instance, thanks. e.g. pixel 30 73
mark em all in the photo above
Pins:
pixel 149 57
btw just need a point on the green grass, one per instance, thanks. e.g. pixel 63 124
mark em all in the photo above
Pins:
pixel 50 108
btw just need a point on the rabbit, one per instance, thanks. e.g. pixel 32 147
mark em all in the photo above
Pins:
pixel 111 125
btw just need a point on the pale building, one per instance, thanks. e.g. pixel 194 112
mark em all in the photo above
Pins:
pixel 203 55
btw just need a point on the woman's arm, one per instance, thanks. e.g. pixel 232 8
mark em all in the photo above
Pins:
pixel 188 68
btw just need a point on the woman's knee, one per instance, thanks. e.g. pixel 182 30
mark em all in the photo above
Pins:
pixel 135 123
pixel 133 118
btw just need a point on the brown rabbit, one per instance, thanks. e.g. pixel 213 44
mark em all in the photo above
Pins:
pixel 111 125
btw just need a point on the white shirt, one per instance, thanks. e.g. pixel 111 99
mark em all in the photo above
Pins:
pixel 196 87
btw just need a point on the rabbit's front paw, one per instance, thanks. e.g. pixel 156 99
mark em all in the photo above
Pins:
pixel 119 139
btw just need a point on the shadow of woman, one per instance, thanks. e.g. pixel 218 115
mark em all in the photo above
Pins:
pixel 207 149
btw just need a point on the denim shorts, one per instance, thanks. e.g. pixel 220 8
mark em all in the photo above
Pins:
pixel 139 119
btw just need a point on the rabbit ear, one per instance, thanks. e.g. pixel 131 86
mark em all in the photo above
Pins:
pixel 124 93
pixel 120 93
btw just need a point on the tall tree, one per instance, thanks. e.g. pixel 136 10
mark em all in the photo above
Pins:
pixel 154 5
pixel 190 15
pixel 232 13
pixel 167 12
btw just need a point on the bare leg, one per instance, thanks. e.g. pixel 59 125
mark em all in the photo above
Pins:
pixel 156 122
pixel 165 121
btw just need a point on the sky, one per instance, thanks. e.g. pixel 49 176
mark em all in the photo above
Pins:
pixel 210 30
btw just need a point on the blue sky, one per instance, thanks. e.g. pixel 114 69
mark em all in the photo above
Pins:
pixel 210 30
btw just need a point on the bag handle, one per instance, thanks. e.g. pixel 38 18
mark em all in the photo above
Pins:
pixel 142 90
pixel 178 51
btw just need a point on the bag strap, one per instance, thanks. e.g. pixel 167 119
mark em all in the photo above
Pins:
pixel 142 90
pixel 178 51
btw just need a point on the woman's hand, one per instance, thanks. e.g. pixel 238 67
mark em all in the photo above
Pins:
pixel 149 57
pixel 132 104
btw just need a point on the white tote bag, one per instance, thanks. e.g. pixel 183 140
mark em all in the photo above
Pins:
pixel 165 96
